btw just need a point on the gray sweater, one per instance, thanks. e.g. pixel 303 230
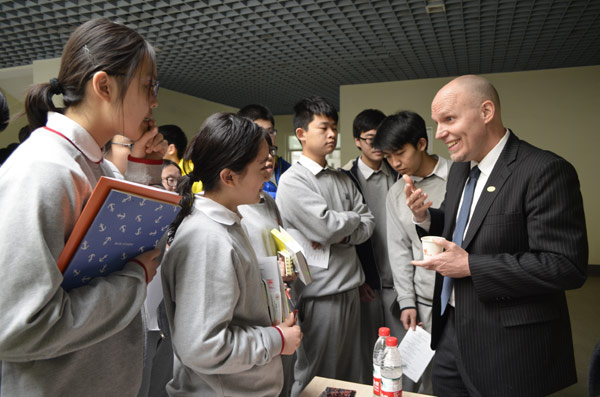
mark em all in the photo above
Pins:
pixel 258 220
pixel 222 338
pixel 326 208
pixel 411 282
pixel 84 342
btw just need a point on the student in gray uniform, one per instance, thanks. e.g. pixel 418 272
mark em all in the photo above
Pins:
pixel 373 177
pixel 403 139
pixel 326 208
pixel 223 341
pixel 87 341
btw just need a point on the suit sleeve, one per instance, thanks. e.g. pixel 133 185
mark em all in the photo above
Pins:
pixel 552 230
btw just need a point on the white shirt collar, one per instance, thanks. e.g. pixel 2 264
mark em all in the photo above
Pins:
pixel 489 161
pixel 441 169
pixel 215 211
pixel 311 165
pixel 76 135
pixel 367 171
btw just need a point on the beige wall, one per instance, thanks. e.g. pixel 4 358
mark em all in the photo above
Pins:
pixel 284 124
pixel 552 109
pixel 186 111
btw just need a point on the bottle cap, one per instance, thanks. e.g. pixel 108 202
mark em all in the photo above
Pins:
pixel 391 341
pixel 384 331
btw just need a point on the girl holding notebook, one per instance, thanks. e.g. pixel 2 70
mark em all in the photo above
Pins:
pixel 87 341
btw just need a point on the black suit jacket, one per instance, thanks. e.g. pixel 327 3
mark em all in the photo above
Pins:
pixel 527 243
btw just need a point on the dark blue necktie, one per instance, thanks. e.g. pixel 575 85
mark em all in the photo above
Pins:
pixel 459 229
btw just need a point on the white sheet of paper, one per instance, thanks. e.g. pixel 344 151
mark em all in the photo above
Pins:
pixel 154 295
pixel 269 271
pixel 416 353
pixel 317 258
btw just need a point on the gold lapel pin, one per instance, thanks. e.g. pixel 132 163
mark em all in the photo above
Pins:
pixel 491 189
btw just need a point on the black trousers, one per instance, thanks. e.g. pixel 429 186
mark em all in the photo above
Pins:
pixel 449 376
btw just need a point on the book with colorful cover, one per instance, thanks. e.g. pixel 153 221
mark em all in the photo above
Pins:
pixel 120 221
pixel 286 243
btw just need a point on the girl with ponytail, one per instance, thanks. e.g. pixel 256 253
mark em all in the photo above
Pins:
pixel 222 336
pixel 89 340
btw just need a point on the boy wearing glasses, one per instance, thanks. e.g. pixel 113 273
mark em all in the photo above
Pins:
pixel 117 152
pixel 170 175
pixel 263 117
pixel 373 177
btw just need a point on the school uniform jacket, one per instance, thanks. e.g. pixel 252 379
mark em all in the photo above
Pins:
pixel 527 243
pixel 84 342
pixel 365 250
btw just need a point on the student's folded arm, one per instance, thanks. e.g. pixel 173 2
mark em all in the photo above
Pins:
pixel 400 250
pixel 206 334
pixel 39 319
pixel 365 228
pixel 306 210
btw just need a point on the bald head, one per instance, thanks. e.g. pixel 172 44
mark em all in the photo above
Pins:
pixel 474 89
pixel 467 111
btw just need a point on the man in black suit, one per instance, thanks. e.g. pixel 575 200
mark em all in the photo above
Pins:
pixel 520 241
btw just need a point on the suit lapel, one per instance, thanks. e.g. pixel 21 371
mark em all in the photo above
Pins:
pixel 500 173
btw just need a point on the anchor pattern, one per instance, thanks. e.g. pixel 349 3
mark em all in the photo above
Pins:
pixel 124 227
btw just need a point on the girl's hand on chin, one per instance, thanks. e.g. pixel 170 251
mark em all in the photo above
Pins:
pixel 151 144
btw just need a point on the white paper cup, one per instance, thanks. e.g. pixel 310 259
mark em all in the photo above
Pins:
pixel 429 247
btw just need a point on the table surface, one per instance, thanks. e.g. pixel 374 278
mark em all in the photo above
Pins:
pixel 318 385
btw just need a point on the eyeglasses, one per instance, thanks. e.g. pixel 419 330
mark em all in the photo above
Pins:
pixel 127 145
pixel 273 151
pixel 369 139
pixel 153 84
pixel 154 87
pixel 272 131
pixel 171 182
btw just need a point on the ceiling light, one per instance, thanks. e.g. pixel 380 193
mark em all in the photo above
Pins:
pixel 435 6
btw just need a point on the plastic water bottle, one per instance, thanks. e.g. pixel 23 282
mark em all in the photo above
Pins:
pixel 384 332
pixel 391 369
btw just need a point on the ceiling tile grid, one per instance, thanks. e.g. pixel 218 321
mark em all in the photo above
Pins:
pixel 276 52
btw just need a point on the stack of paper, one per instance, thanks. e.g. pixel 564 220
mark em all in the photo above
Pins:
pixel 274 289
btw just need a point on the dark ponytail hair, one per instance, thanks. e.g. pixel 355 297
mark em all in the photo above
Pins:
pixel 4 112
pixel 224 141
pixel 97 45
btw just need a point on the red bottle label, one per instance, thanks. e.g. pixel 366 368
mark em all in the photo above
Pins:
pixel 376 386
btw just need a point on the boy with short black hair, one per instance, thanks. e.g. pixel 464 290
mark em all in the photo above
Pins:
pixel 264 118
pixel 403 139
pixel 373 177
pixel 177 141
pixel 327 209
